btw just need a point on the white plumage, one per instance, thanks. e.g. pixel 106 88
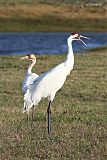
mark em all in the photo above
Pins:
pixel 48 83
pixel 30 77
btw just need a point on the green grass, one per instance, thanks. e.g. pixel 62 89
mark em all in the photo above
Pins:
pixel 56 24
pixel 16 1
pixel 79 111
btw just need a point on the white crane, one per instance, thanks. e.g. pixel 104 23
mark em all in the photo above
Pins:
pixel 48 83
pixel 29 77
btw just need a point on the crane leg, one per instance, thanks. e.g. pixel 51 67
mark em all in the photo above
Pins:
pixel 49 117
pixel 27 118
pixel 32 116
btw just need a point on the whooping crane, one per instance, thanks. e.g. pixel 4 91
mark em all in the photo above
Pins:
pixel 29 77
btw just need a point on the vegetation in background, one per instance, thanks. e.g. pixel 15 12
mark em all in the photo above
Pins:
pixel 52 15
pixel 79 111
pixel 53 1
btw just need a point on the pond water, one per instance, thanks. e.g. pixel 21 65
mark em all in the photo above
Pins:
pixel 47 42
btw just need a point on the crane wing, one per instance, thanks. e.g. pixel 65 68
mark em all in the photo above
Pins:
pixel 29 79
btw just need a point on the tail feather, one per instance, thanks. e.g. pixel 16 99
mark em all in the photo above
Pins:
pixel 27 102
pixel 27 106
pixel 30 99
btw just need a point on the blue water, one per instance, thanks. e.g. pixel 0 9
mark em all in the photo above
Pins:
pixel 47 43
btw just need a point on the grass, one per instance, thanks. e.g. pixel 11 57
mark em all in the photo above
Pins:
pixel 39 16
pixel 79 111
pixel 44 24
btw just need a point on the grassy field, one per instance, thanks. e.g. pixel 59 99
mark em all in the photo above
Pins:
pixel 31 16
pixel 79 112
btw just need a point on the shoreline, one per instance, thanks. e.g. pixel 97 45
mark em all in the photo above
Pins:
pixel 43 25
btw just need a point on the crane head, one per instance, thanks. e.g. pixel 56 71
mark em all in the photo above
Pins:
pixel 76 36
pixel 29 57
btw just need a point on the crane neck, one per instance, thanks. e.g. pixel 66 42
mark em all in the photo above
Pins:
pixel 70 55
pixel 29 71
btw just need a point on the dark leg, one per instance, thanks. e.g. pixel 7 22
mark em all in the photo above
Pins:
pixel 32 116
pixel 27 118
pixel 49 117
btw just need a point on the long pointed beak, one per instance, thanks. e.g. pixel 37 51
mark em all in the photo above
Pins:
pixel 26 57
pixel 82 41
pixel 84 37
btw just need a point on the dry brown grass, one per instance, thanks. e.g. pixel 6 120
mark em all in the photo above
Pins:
pixel 64 11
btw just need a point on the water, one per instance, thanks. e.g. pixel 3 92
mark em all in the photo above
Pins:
pixel 47 43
